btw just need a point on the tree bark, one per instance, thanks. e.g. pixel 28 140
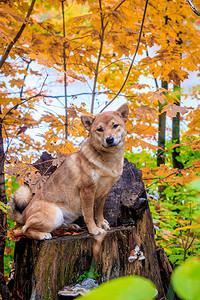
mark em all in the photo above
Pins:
pixel 165 268
pixel 44 267
pixel 161 139
pixel 176 133
pixel 161 130
pixel 3 220
pixel 4 291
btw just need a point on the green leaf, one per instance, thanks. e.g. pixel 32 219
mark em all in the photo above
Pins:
pixel 129 288
pixel 186 280
pixel 195 185
pixel 168 251
pixel 4 207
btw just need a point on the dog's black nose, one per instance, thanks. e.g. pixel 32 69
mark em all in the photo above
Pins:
pixel 109 140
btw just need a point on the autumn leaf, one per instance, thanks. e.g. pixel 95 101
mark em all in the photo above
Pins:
pixel 22 170
pixel 16 82
pixel 173 109
pixel 177 75
pixel 8 250
pixel 22 129
pixel 144 110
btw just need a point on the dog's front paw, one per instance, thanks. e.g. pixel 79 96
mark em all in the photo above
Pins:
pixel 103 224
pixel 96 230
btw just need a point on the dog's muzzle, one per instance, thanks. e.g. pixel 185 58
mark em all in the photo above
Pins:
pixel 110 141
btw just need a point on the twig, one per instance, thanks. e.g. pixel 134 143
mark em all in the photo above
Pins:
pixel 155 79
pixel 22 87
pixel 9 48
pixel 193 7
pixel 81 71
pixel 85 94
pixel 11 139
pixel 24 101
pixel 188 247
pixel 176 172
pixel 113 63
pixel 43 84
pixel 42 162
pixel 161 179
pixel 130 68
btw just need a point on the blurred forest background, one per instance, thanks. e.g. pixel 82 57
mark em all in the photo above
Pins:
pixel 60 59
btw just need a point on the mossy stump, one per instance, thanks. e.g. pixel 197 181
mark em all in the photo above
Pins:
pixel 44 267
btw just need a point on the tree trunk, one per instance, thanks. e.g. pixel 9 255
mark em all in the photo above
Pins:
pixel 161 131
pixel 161 139
pixel 176 132
pixel 3 220
pixel 44 267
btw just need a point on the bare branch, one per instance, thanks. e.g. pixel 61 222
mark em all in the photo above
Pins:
pixel 126 58
pixel 22 87
pixel 188 247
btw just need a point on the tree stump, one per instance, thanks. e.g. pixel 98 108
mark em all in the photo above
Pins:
pixel 44 267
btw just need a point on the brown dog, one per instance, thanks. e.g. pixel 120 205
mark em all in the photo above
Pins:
pixel 83 180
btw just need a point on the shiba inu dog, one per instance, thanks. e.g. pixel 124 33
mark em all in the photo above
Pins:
pixel 81 183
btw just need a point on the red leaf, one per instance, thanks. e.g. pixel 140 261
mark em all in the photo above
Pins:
pixel 21 129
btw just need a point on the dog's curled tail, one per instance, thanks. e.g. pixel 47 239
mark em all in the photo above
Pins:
pixel 18 202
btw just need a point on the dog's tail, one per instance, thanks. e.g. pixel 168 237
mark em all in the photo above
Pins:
pixel 18 202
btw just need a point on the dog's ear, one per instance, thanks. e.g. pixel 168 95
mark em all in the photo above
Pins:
pixel 87 121
pixel 123 111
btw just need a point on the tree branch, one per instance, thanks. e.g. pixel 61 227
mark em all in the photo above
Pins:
pixel 9 48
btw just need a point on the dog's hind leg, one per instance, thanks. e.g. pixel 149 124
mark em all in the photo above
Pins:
pixel 36 235
pixel 40 223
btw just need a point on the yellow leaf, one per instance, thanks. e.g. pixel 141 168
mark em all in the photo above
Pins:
pixel 186 227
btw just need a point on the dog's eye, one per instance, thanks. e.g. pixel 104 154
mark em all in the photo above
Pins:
pixel 100 129
pixel 115 126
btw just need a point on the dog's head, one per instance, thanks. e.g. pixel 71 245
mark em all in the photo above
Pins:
pixel 107 129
